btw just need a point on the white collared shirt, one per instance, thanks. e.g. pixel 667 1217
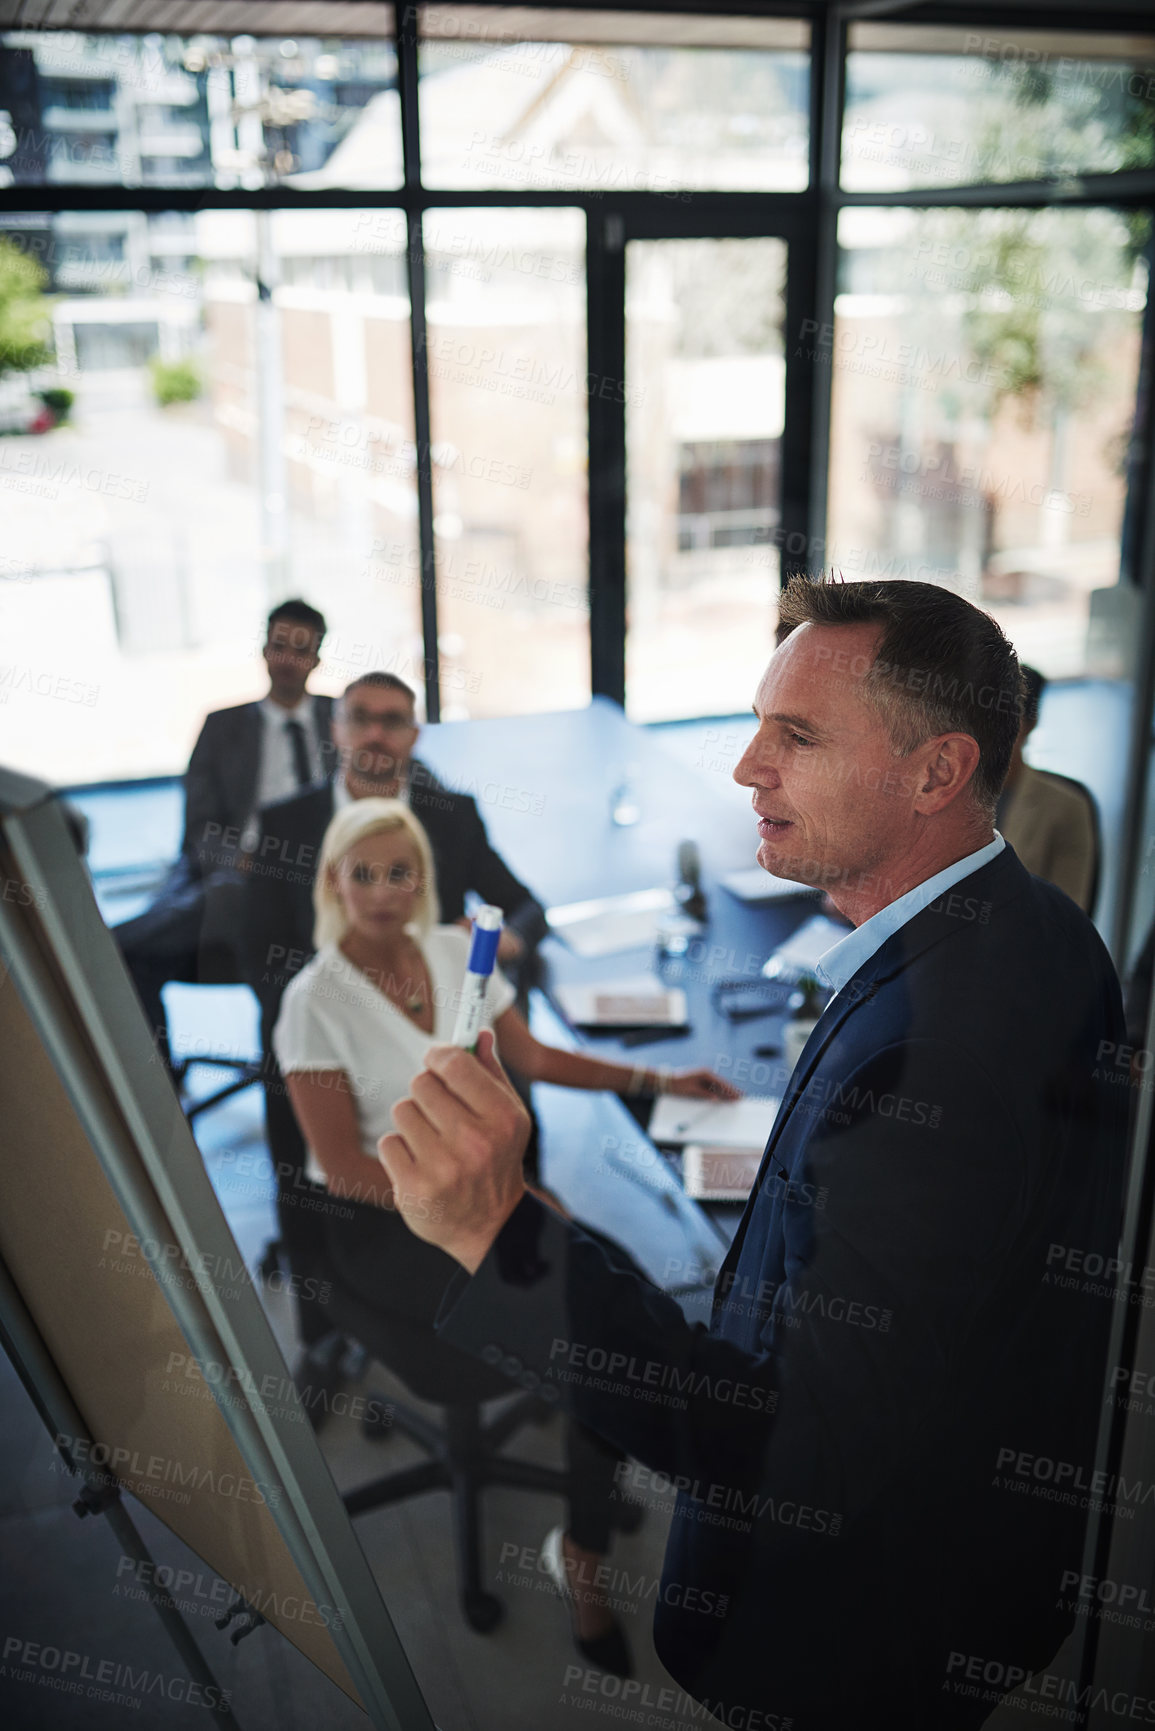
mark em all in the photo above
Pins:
pixel 334 1017
pixel 278 773
pixel 842 961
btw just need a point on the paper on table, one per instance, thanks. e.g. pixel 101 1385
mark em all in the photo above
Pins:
pixel 737 1124
pixel 612 923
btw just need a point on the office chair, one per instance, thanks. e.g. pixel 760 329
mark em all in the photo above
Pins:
pixel 1091 804
pixel 234 1011
pixel 464 1451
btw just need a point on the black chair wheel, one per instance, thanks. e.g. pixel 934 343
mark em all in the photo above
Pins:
pixel 483 1611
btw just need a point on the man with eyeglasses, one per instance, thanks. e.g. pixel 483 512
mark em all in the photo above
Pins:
pixel 374 731
pixel 245 757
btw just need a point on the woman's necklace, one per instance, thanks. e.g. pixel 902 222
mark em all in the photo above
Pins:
pixel 414 1003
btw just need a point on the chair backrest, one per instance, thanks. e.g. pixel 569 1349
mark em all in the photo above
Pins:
pixel 430 1368
pixel 1089 801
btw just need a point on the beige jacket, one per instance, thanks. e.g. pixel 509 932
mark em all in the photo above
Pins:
pixel 1051 829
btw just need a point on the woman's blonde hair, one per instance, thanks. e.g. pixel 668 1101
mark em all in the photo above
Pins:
pixel 355 823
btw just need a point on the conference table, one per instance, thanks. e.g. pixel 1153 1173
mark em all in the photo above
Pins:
pixel 546 787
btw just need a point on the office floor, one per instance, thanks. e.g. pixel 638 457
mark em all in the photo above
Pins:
pixel 59 1584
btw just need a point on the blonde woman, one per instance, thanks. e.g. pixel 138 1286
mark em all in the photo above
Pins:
pixel 353 1031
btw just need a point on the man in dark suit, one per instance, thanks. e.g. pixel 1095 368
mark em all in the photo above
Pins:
pixel 244 757
pixel 374 730
pixel 885 1443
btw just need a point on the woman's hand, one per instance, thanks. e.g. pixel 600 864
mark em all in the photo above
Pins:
pixel 701 1085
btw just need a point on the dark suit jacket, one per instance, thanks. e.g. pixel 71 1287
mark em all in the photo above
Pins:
pixel 279 887
pixel 907 1340
pixel 222 778
pixel 192 921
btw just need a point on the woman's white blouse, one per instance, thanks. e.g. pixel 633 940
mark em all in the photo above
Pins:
pixel 334 1018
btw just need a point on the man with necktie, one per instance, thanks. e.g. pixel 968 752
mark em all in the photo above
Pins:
pixel 246 757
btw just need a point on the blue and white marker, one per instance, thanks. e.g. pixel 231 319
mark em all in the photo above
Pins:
pixel 482 957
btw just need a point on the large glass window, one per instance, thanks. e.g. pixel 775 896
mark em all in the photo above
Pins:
pixel 198 110
pixel 508 387
pixel 935 106
pixel 705 394
pixel 225 446
pixel 984 376
pixel 613 102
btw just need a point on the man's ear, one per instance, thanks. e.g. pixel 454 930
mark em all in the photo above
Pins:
pixel 946 766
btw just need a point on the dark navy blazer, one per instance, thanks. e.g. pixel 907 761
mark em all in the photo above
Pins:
pixel 904 1350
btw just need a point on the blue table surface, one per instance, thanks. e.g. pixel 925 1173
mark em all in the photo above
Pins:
pixel 568 849
pixel 544 788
